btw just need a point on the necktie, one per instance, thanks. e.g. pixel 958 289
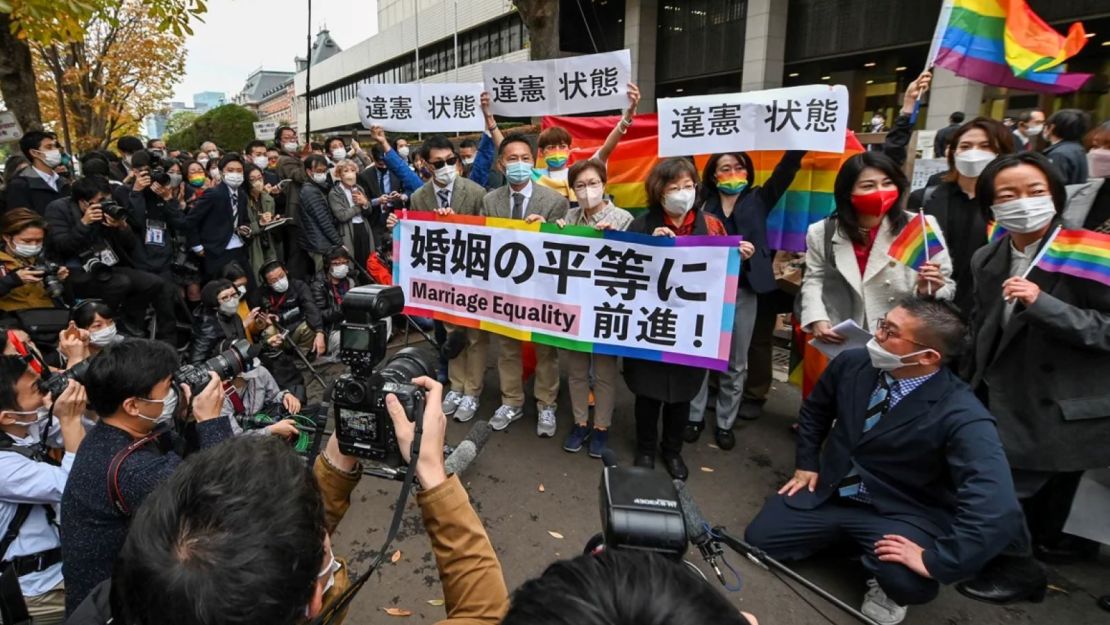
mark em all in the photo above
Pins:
pixel 444 198
pixel 234 205
pixel 518 206
pixel 852 487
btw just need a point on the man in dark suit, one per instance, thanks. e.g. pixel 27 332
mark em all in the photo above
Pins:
pixel 219 223
pixel 384 189
pixel 896 455
pixel 37 185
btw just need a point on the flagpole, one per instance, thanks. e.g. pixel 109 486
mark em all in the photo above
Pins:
pixel 925 242
pixel 1041 253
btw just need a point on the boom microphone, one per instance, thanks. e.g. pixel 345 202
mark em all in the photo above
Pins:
pixel 608 457
pixel 468 449
pixel 696 525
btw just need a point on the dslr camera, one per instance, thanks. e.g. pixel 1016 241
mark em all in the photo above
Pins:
pixel 50 280
pixel 227 364
pixel 113 210
pixel 158 174
pixel 57 382
pixel 362 423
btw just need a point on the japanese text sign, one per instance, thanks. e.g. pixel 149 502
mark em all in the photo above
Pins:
pixel 607 292
pixel 264 131
pixel 577 84
pixel 421 107
pixel 812 117
pixel 9 127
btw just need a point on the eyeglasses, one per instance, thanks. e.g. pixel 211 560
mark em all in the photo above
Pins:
pixel 451 161
pixel 582 186
pixel 883 332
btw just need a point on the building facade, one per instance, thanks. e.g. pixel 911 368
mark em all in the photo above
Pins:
pixel 691 47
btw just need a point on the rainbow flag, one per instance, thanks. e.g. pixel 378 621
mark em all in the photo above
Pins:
pixel 995 232
pixel 1080 253
pixel 809 198
pixel 1003 43
pixel 916 244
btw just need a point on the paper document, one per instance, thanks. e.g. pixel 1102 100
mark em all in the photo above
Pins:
pixel 854 337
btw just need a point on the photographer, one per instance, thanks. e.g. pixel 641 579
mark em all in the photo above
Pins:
pixel 27 280
pixel 288 303
pixel 329 286
pixel 131 451
pixel 31 488
pixel 183 562
pixel 155 214
pixel 217 320
pixel 96 246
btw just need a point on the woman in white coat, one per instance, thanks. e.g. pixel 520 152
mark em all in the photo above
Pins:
pixel 849 274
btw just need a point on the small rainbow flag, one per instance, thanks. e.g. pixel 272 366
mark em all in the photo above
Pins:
pixel 1080 253
pixel 1003 43
pixel 916 244
pixel 995 232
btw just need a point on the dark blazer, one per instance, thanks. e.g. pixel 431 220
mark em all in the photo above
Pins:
pixel 209 223
pixel 28 190
pixel 1044 374
pixel 934 460
pixel 664 382
pixel 370 180
pixel 965 231
pixel 1071 158
pixel 749 220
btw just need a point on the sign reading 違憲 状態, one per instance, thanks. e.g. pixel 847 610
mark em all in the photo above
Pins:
pixel 606 292
pixel 811 117
pixel 576 84
pixel 422 107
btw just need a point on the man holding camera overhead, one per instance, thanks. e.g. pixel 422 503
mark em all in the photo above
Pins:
pixel 89 234
pixel 132 450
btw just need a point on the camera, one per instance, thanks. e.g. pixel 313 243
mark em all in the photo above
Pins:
pixel 57 382
pixel 362 423
pixel 113 210
pixel 50 280
pixel 158 174
pixel 93 263
pixel 640 510
pixel 227 364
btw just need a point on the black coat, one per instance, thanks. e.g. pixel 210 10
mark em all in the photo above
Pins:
pixel 146 208
pixel 673 384
pixel 934 461
pixel 1043 375
pixel 298 296
pixel 328 298
pixel 210 328
pixel 1071 159
pixel 965 232
pixel 1100 210
pixel 210 224
pixel 318 232
pixel 28 190
pixel 749 220
pixel 67 237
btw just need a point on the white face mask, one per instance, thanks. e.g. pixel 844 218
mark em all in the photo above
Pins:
pixel 169 405
pixel 26 251
pixel 104 336
pixel 445 175
pixel 678 203
pixel 214 174
pixel 290 147
pixel 320 178
pixel 883 360
pixel 260 162
pixel 242 290
pixel 233 179
pixel 213 154
pixel 339 271
pixel 52 158
pixel 591 197
pixel 203 161
pixel 175 179
pixel 280 286
pixel 1098 162
pixel 230 307
pixel 403 151
pixel 972 162
pixel 1032 131
pixel 468 161
pixel 1025 214
pixel 42 413
pixel 338 154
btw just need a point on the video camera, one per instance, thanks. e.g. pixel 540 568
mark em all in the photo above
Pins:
pixel 362 423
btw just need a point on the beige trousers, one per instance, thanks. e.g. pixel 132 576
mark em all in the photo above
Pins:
pixel 510 369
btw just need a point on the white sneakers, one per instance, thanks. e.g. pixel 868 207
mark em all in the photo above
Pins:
pixel 468 407
pixel 879 607
pixel 545 421
pixel 451 402
pixel 504 416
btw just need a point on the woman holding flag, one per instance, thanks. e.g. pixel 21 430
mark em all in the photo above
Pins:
pixel 1041 337
pixel 726 193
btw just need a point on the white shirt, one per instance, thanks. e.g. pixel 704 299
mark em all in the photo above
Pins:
pixel 23 480
pixel 526 192
pixel 49 178
pixel 1020 260
pixel 450 189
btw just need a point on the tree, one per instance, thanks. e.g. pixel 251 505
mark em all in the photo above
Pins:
pixel 180 120
pixel 49 23
pixel 230 126
pixel 541 18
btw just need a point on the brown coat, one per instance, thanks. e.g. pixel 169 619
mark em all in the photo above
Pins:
pixel 473 584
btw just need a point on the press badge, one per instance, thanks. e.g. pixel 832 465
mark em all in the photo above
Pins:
pixel 155 232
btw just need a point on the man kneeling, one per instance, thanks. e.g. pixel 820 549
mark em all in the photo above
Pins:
pixel 912 469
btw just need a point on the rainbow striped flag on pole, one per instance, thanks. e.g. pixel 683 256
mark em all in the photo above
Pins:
pixel 1003 43
pixel 916 244
pixel 1080 253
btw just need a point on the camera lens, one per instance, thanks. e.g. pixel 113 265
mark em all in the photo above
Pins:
pixel 410 362
pixel 350 391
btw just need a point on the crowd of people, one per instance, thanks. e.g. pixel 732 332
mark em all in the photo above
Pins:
pixel 133 261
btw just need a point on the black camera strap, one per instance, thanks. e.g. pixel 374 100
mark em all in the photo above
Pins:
pixel 340 604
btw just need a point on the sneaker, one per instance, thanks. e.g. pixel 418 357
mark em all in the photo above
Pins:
pixel 545 421
pixel 879 607
pixel 578 435
pixel 468 407
pixel 599 440
pixel 451 402
pixel 504 416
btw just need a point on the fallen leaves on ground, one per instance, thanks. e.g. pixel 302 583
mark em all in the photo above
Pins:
pixel 435 601
pixel 541 488
pixel 706 470
pixel 395 557
pixel 555 534
pixel 397 611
